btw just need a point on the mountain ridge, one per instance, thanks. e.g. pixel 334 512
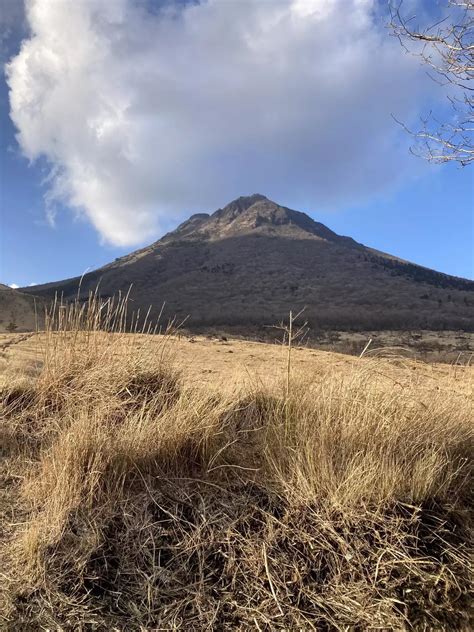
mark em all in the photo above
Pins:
pixel 253 260
pixel 250 213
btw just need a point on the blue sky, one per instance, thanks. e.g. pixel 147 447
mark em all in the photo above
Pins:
pixel 331 149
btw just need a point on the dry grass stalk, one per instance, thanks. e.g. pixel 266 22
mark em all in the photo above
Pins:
pixel 143 504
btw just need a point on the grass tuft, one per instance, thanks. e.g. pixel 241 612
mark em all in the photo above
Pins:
pixel 138 502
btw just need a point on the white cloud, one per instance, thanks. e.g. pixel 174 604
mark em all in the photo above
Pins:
pixel 14 286
pixel 146 116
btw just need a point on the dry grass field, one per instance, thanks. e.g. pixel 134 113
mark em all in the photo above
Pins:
pixel 168 483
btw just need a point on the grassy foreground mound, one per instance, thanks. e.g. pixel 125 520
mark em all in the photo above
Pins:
pixel 132 502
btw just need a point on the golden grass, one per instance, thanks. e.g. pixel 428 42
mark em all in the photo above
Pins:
pixel 137 502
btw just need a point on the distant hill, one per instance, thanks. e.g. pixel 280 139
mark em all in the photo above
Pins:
pixel 19 311
pixel 250 262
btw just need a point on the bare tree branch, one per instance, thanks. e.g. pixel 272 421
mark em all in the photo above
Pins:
pixel 447 48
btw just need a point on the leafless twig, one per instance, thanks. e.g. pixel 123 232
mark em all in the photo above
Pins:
pixel 447 49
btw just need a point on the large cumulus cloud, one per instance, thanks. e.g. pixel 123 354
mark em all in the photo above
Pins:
pixel 146 114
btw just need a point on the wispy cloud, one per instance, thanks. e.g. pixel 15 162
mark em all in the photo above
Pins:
pixel 145 115
pixel 14 286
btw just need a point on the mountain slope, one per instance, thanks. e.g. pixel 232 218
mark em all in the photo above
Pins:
pixel 19 311
pixel 252 261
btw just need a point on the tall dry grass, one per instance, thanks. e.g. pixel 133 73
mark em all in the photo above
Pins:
pixel 138 503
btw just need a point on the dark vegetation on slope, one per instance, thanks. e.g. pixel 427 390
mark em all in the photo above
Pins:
pixel 248 264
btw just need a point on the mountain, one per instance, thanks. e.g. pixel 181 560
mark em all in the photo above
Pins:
pixel 250 262
pixel 19 311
